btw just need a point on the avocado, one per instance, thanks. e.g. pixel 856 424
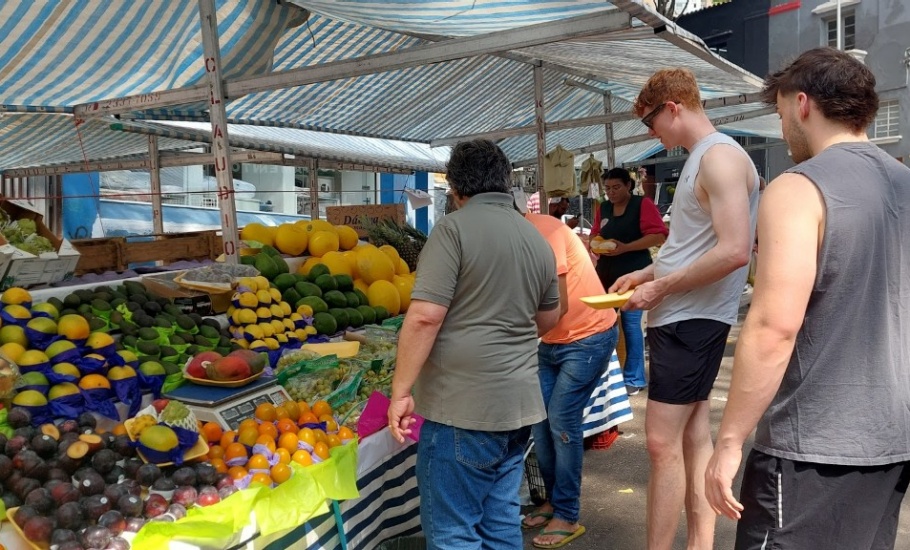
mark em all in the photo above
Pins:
pixel 315 302
pixel 85 307
pixel 176 340
pixel 101 305
pixel 97 324
pixel 119 295
pixel 152 308
pixel 140 299
pixel 129 341
pixel 325 323
pixel 341 317
pixel 185 322
pixel 72 301
pixel 284 281
pixel 326 283
pixel 308 289
pixel 128 327
pixel 345 282
pixel 266 266
pixel 352 298
pixel 364 301
pixel 103 296
pixel 54 301
pixel 148 334
pixel 291 296
pixel 270 250
pixel 116 318
pixel 381 313
pixel 354 317
pixel 117 302
pixel 335 298
pixel 167 317
pixel 368 314
pixel 85 295
pixel 148 348
pixel 209 332
pixel 168 351
pixel 170 368
pixel 210 323
pixel 143 320
pixel 317 271
pixel 248 260
pixel 162 322
pixel 134 287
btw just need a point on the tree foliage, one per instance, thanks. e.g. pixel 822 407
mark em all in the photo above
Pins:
pixel 671 9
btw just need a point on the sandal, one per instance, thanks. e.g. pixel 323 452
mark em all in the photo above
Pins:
pixel 569 537
pixel 545 515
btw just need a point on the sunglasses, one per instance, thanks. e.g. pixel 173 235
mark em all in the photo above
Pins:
pixel 648 119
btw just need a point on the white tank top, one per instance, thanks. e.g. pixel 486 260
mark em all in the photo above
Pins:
pixel 691 236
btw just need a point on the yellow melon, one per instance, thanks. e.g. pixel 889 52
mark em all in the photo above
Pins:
pixel 258 233
pixel 374 265
pixel 347 236
pixel 404 285
pixel 337 263
pixel 384 293
pixel 291 239
pixel 322 242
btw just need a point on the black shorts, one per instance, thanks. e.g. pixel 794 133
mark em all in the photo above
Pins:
pixel 789 504
pixel 685 358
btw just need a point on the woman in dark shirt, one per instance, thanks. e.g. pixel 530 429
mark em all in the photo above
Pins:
pixel 634 225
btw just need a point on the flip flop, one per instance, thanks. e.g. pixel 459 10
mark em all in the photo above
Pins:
pixel 546 515
pixel 569 537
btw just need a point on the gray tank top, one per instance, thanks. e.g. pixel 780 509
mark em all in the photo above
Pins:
pixel 692 235
pixel 845 397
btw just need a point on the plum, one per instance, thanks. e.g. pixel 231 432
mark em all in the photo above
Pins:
pixel 133 525
pixel 95 506
pixel 164 517
pixel 132 486
pixel 44 445
pixel 89 482
pixel 70 516
pixel 68 426
pixel 19 417
pixel 147 474
pixel 122 446
pixel 25 460
pixel 227 491
pixel 25 486
pixel 184 476
pixel 155 505
pixel 208 495
pixel 14 445
pixel 40 499
pixel 177 510
pixel 115 491
pixel 11 501
pixel 51 483
pixel 104 461
pixel 185 495
pixel 130 505
pixel 118 543
pixel 62 535
pixel 87 420
pixel 131 466
pixel 71 545
pixel 28 432
pixel 223 481
pixel 165 484
pixel 96 536
pixel 38 530
pixel 114 521
pixel 206 474
pixel 58 474
pixel 23 514
pixel 65 492
pixel 116 475
pixel 6 467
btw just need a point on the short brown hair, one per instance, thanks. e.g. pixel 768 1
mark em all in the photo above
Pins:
pixel 676 85
pixel 841 85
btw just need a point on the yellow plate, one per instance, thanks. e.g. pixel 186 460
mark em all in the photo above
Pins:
pixel 341 349
pixel 201 448
pixel 607 301
pixel 222 383
pixel 10 514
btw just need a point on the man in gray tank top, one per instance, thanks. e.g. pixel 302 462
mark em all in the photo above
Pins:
pixel 823 362
pixel 692 291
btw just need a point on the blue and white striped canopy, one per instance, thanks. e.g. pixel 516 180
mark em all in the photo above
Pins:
pixel 57 54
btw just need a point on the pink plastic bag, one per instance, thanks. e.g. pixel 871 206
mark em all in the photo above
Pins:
pixel 375 417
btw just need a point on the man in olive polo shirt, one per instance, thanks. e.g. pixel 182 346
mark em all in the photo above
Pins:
pixel 486 288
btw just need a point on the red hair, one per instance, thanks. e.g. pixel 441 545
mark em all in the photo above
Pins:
pixel 677 85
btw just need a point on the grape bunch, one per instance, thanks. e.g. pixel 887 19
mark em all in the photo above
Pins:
pixel 318 385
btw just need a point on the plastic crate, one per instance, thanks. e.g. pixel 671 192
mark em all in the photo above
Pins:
pixel 534 477
pixel 603 440
pixel 417 542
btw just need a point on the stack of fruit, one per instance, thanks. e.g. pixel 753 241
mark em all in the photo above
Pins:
pixel 238 365
pixel 260 319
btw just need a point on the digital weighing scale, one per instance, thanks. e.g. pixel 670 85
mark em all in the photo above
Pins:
pixel 229 406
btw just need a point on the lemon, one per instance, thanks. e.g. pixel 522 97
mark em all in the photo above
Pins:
pixel 402 268
pixel 258 233
pixel 347 236
pixel 391 252
pixel 321 225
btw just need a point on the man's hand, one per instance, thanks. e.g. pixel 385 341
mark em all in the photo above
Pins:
pixel 722 467
pixel 401 417
pixel 572 223
pixel 630 281
pixel 646 296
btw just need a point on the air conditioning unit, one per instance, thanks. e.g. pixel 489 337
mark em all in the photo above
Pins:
pixel 324 187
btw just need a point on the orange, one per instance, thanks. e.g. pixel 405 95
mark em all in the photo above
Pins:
pixel 212 432
pixel 286 425
pixel 235 450
pixel 227 438
pixel 248 422
pixel 345 433
pixel 219 465
pixel 281 473
pixel 266 440
pixel 262 478
pixel 265 412
pixel 292 408
pixel 288 441
pixel 302 407
pixel 248 436
pixel 308 418
pixel 319 435
pixel 268 428
pixel 302 457
pixel 332 441
pixel 321 407
pixel 330 424
pixel 321 450
pixel 284 456
pixel 237 472
pixel 258 462
pixel 119 429
pixel 216 452
pixel 281 412
pixel 307 436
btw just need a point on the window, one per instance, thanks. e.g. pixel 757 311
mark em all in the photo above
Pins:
pixel 849 30
pixel 887 121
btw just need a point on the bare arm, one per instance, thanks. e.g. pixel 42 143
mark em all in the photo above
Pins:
pixel 418 334
pixel 546 320
pixel 563 295
pixel 791 222
pixel 724 178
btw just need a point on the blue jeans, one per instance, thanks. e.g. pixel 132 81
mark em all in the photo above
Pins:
pixel 633 369
pixel 469 483
pixel 568 374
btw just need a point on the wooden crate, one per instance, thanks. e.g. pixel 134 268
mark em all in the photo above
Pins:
pixel 352 215
pixel 169 248
pixel 99 255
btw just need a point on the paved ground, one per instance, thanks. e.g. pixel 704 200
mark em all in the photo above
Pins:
pixel 615 518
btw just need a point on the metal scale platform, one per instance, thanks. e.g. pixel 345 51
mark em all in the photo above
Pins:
pixel 229 406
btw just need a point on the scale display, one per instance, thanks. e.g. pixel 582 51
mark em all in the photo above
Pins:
pixel 229 406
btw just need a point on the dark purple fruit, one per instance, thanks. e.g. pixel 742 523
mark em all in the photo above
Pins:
pixel 19 417
pixel 62 536
pixel 118 543
pixel 28 432
pixel 70 516
pixel 132 486
pixel 30 464
pixel 122 446
pixel 40 499
pixel 51 483
pixel 87 420
pixel 116 475
pixel 96 536
pixel 44 445
pixel 95 506
pixel 65 492
pixel 223 481
pixel 185 495
pixel 25 486
pixel 227 491
pixel 3 440
pixel 130 505
pixel 155 505
pixel 6 467
pixel 71 545
pixel 14 445
pixel 165 484
pixel 104 461
pixel 115 491
pixel 58 474
pixel 12 480
pixel 68 426
pixel 11 501
pixel 177 510
pixel 23 514
pixel 89 482
pixel 148 474
pixel 133 525
pixel 184 476
pixel 131 467
pixel 114 521
pixel 38 530
pixel 206 474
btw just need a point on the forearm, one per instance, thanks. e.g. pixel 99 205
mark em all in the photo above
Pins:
pixel 711 267
pixel 646 242
pixel 415 343
pixel 759 365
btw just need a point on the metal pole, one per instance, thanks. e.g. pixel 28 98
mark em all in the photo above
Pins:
pixel 540 120
pixel 314 189
pixel 155 174
pixel 221 148
pixel 840 28
pixel 611 149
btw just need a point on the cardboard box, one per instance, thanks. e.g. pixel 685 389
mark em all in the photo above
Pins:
pixel 20 268
pixel 188 300
pixel 353 215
